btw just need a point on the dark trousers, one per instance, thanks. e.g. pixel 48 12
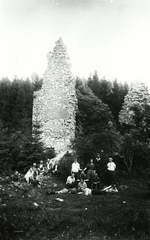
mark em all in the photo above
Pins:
pixel 76 175
pixel 111 177
pixel 95 185
pixel 72 185
pixel 90 177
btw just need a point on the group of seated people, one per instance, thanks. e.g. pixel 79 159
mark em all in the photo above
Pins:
pixel 85 179
pixel 72 182
pixel 79 186
pixel 35 173
pixel 88 180
pixel 80 179
pixel 54 169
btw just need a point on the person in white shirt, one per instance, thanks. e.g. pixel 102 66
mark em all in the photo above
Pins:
pixel 31 173
pixel 70 183
pixel 75 168
pixel 111 167
pixel 48 165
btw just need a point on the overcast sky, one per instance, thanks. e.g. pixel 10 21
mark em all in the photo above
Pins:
pixel 110 36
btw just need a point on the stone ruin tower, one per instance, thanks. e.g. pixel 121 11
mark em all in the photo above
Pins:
pixel 55 103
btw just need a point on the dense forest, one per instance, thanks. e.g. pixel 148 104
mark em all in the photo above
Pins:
pixel 112 118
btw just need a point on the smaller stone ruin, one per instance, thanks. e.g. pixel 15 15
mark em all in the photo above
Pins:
pixel 55 104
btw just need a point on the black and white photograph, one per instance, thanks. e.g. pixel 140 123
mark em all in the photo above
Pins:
pixel 74 120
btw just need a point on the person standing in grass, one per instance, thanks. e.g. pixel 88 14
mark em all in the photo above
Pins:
pixel 49 165
pixel 111 167
pixel 91 170
pixel 75 168
pixel 99 166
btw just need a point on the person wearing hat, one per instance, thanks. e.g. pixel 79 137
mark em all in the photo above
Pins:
pixel 111 167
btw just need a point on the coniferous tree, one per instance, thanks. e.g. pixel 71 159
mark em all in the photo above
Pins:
pixel 95 130
pixel 110 93
pixel 101 88
pixel 116 98
pixel 32 148
pixel 16 100
pixel 5 155
pixel 19 147
pixel 5 102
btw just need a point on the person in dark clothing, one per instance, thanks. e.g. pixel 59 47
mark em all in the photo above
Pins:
pixel 41 167
pixel 56 170
pixel 15 177
pixel 82 174
pixel 99 166
pixel 91 170
pixel 96 181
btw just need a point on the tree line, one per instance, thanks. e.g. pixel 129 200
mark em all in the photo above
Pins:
pixel 20 142
pixel 112 119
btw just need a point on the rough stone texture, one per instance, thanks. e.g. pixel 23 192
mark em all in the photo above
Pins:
pixel 55 103
pixel 138 94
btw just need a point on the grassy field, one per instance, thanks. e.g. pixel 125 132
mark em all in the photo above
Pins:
pixel 33 215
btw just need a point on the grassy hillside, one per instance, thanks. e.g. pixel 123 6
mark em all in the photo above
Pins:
pixel 32 214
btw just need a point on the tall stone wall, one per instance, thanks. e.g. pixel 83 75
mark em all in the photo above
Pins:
pixel 55 103
pixel 138 94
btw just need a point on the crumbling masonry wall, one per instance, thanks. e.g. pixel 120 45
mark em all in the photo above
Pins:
pixel 55 103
